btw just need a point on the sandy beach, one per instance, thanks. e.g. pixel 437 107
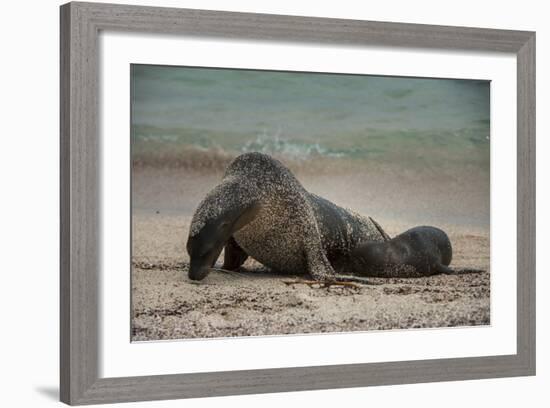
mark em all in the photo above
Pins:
pixel 255 301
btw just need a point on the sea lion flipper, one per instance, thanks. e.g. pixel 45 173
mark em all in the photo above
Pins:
pixel 440 268
pixel 463 271
pixel 319 266
pixel 317 263
pixel 234 255
pixel 383 233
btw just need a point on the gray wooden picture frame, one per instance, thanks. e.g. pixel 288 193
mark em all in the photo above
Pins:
pixel 81 24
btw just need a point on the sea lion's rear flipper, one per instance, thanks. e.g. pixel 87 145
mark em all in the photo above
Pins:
pixel 456 271
pixel 462 271
pixel 234 255
pixel 383 233
pixel 440 268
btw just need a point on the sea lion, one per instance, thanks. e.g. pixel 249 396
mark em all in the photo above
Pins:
pixel 261 210
pixel 419 251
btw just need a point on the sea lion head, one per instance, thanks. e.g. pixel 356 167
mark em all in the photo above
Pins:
pixel 225 210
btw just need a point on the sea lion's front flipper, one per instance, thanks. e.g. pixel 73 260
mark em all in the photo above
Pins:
pixel 234 255
pixel 317 264
pixel 355 279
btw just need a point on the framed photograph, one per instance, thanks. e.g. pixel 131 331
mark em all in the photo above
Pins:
pixel 259 203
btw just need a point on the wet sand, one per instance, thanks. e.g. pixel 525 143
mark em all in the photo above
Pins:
pixel 255 301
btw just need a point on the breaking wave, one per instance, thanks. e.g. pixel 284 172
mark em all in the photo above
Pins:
pixel 276 145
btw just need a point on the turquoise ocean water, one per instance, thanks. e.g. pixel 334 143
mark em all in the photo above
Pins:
pixel 301 116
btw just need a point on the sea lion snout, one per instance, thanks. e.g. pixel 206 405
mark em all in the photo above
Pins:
pixel 212 227
pixel 203 252
pixel 198 271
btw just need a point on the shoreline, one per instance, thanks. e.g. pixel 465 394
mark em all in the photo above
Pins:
pixel 419 197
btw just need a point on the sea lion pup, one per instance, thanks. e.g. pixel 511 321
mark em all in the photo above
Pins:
pixel 261 210
pixel 420 251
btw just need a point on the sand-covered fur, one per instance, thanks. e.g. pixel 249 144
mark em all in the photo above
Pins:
pixel 277 222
